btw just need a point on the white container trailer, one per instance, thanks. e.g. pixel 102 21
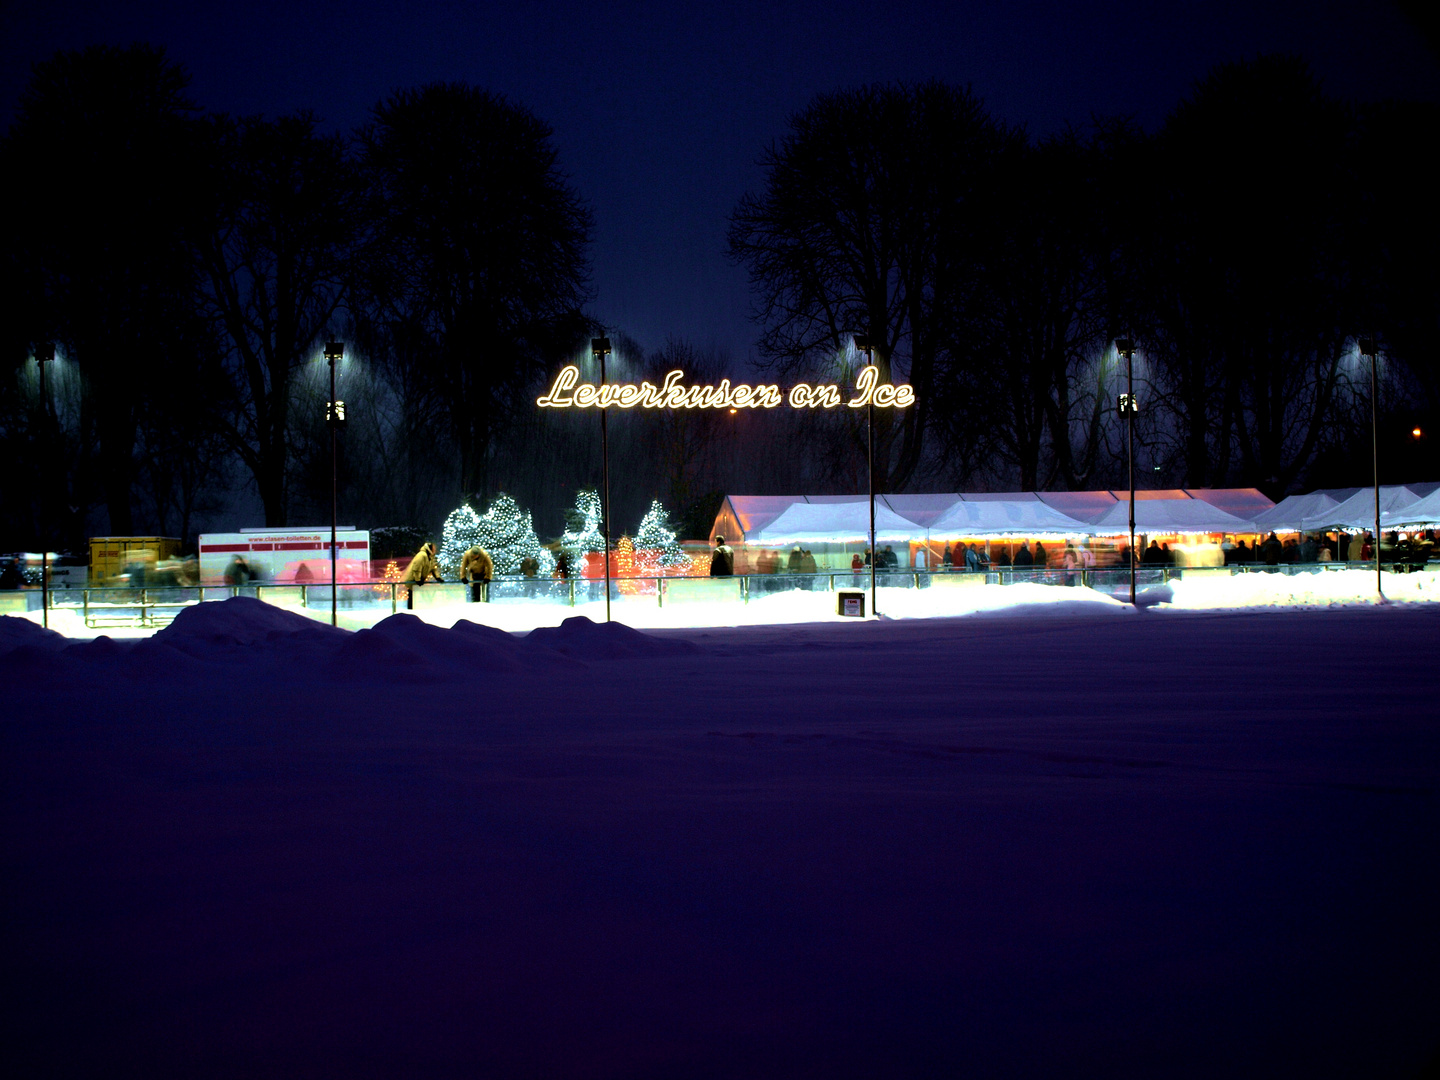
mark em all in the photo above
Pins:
pixel 280 555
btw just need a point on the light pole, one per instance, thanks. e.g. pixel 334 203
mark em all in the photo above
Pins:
pixel 1126 348
pixel 1369 348
pixel 334 419
pixel 600 348
pixel 865 345
pixel 44 354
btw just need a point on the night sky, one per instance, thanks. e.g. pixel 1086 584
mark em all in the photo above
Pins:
pixel 661 110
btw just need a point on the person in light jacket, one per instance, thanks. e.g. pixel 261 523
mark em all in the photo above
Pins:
pixel 422 566
pixel 476 570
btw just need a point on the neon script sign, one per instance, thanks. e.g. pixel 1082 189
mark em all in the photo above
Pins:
pixel 568 392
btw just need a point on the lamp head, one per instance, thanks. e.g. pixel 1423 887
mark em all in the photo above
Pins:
pixel 334 350
pixel 1367 346
pixel 863 343
pixel 600 346
pixel 1125 347
pixel 45 352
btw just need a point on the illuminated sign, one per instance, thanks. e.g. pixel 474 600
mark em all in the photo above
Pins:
pixel 568 392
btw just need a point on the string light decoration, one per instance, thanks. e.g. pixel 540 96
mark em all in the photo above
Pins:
pixel 392 575
pixel 658 552
pixel 504 530
pixel 624 567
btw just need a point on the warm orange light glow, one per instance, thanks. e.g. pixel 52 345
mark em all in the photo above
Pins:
pixel 1416 432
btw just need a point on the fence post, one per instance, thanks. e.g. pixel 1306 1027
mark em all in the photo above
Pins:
pixel 572 592
pixel 744 589
pixel 660 590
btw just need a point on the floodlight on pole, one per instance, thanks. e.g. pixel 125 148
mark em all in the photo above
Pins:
pixel 1369 347
pixel 44 354
pixel 865 345
pixel 600 348
pixel 334 419
pixel 1128 408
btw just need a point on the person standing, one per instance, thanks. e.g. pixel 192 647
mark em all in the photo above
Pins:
pixel 476 570
pixel 422 566
pixel 722 563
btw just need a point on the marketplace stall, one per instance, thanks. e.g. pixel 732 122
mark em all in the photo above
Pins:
pixel 1192 529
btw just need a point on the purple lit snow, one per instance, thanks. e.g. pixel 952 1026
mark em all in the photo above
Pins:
pixel 1165 844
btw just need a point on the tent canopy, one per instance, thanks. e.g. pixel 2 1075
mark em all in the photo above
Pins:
pixel 836 523
pixel 1290 512
pixel 1008 518
pixel 1422 512
pixel 1168 516
pixel 747 519
pixel 1358 511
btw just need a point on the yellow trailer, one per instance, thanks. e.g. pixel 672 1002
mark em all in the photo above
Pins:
pixel 110 555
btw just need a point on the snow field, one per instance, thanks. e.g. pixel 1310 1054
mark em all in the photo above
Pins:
pixel 1181 844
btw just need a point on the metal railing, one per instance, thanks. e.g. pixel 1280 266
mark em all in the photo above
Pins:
pixel 148 606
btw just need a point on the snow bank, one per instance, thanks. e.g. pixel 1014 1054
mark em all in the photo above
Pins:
pixel 580 638
pixel 16 633
pixel 240 620
pixel 1322 588
pixel 496 651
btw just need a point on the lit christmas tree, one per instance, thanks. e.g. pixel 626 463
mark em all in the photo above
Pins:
pixel 588 538
pixel 460 533
pixel 655 543
pixel 504 530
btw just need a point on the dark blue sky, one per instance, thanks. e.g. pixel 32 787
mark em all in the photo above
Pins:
pixel 660 110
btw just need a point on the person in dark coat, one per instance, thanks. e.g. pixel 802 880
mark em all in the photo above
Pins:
pixel 947 560
pixel 1023 557
pixel 1272 550
pixel 238 572
pixel 1040 557
pixel 793 563
pixel 722 563
pixel 1153 555
pixel 11 577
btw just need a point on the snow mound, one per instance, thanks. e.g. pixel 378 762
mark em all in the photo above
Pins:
pixel 1315 589
pixel 16 632
pixel 27 662
pixel 581 639
pixel 1158 594
pixel 240 620
pixel 373 656
pixel 467 648
pixel 103 650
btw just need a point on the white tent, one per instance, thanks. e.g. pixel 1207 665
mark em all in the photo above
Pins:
pixel 836 523
pixel 1358 511
pixel 1423 512
pixel 1290 512
pixel 1168 516
pixel 1007 518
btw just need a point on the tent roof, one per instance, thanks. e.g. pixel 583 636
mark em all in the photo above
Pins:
pixel 1242 502
pixel 1424 511
pixel 1168 516
pixel 1292 510
pixel 1081 505
pixel 1358 511
pixel 1008 517
pixel 819 523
